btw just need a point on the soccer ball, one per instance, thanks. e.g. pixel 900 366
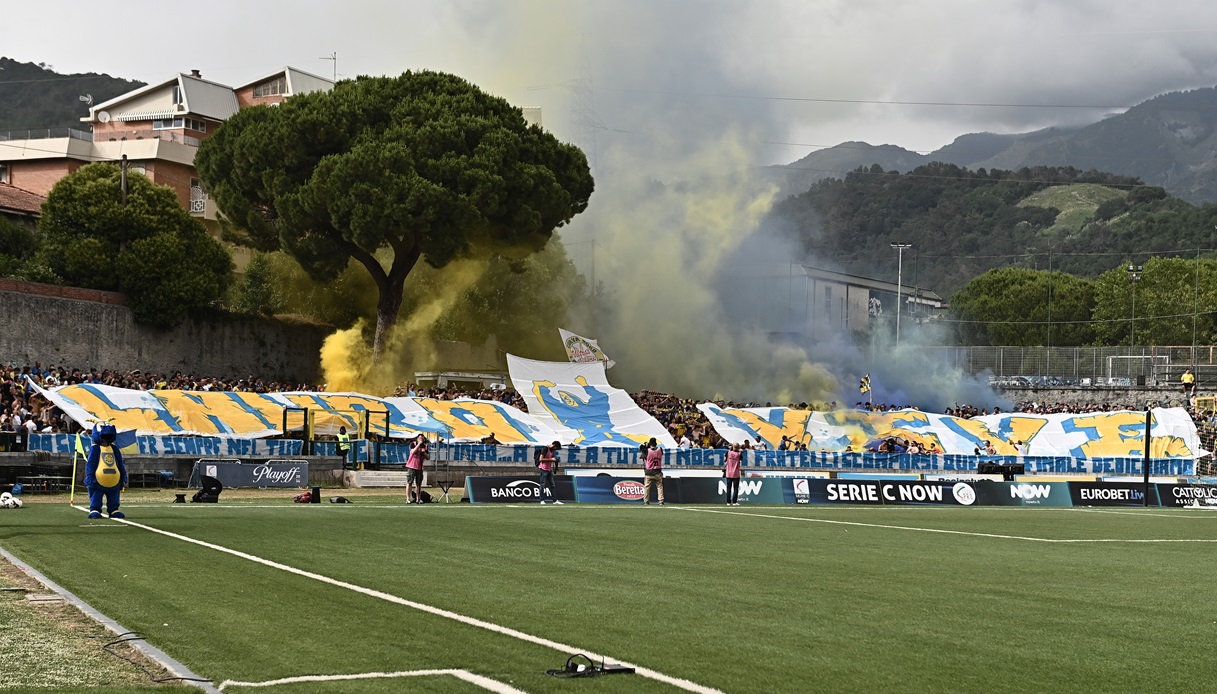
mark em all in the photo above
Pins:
pixel 15 502
pixel 6 500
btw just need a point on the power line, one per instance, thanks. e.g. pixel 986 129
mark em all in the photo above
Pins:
pixel 1091 321
pixel 880 102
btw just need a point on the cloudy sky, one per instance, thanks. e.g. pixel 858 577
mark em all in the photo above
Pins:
pixel 697 92
pixel 787 75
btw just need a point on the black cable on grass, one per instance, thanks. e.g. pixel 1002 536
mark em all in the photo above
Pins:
pixel 130 636
pixel 586 668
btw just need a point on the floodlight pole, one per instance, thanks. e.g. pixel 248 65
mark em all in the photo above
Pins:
pixel 899 282
pixel 1134 276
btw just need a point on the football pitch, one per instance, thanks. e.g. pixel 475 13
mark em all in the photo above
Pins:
pixel 468 598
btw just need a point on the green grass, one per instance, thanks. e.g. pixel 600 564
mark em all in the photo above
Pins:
pixel 744 602
pixel 1077 204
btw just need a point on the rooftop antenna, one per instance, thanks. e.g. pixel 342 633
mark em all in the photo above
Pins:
pixel 332 57
pixel 87 98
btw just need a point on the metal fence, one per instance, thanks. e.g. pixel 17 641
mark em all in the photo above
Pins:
pixel 1081 366
pixel 46 133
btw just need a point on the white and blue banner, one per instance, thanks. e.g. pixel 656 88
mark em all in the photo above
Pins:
pixel 193 446
pixel 392 453
pixel 1092 435
pixel 577 403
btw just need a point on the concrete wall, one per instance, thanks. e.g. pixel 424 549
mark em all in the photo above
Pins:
pixel 77 330
pixel 1134 397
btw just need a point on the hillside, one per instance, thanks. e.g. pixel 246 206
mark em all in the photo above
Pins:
pixel 1168 141
pixel 961 222
pixel 1076 205
pixel 36 97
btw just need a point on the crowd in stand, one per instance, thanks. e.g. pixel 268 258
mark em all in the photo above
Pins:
pixel 22 409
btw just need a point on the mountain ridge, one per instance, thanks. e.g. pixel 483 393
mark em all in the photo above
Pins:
pixel 1169 140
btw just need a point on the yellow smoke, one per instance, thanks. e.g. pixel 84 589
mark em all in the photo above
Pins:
pixel 347 361
pixel 664 247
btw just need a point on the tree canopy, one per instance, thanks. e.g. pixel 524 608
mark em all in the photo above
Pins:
pixel 1014 306
pixel 1157 309
pixel 148 248
pixel 425 164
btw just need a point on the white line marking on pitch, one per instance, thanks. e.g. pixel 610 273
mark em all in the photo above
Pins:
pixel 483 682
pixel 939 530
pixel 439 612
pixel 1138 513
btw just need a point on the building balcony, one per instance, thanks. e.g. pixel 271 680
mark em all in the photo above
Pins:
pixel 46 134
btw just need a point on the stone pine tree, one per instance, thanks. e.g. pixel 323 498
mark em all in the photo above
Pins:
pixel 423 166
pixel 145 246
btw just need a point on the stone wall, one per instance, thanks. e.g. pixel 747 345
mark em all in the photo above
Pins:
pixel 83 329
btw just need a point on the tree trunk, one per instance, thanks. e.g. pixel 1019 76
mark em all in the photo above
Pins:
pixel 386 314
pixel 390 286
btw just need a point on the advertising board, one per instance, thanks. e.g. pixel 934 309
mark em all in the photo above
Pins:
pixel 1110 494
pixel 1187 495
pixel 622 490
pixel 514 489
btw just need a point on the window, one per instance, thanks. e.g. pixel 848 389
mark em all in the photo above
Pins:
pixel 828 304
pixel 177 123
pixel 177 96
pixel 3 173
pixel 275 87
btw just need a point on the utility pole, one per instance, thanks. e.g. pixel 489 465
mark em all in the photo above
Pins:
pixel 122 169
pixel 899 283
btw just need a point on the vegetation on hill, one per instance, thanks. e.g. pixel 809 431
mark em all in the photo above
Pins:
pixel 962 223
pixel 34 96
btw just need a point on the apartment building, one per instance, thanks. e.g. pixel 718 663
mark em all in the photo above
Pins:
pixel 158 128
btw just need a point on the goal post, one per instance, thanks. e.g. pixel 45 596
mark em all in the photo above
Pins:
pixel 1134 366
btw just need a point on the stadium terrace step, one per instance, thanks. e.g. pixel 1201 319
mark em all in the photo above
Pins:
pixel 377 478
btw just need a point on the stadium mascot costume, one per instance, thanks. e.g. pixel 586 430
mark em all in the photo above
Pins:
pixel 105 473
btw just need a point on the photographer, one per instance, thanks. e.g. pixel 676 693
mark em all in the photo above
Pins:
pixel 547 464
pixel 420 451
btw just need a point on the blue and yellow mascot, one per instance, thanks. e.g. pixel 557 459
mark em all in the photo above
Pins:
pixel 105 474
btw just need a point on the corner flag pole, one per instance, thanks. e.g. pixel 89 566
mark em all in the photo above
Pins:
pixel 76 453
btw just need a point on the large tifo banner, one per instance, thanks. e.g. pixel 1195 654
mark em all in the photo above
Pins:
pixel 1093 435
pixel 578 404
pixel 574 404
pixel 242 415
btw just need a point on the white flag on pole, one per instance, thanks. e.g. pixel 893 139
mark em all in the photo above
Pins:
pixel 582 350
